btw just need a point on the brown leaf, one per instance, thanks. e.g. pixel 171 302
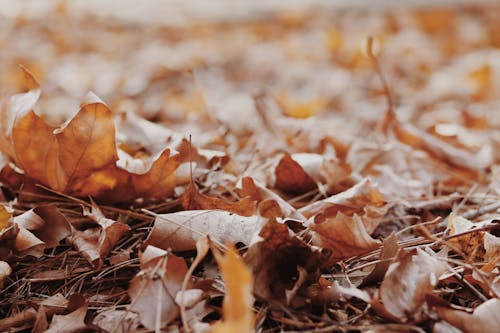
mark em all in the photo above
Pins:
pixel 15 108
pixel 118 321
pixel 259 193
pixel 483 319
pixel 72 322
pixel 180 231
pixel 237 310
pixel 96 243
pixel 408 281
pixel 152 291
pixel 275 260
pixel 291 178
pixel 192 199
pixel 46 223
pixel 86 144
pixel 363 199
pixel 345 235
pixel 388 252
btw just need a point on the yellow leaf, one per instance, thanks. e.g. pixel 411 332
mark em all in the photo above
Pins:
pixel 5 216
pixel 237 306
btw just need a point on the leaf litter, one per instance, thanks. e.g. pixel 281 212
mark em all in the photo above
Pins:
pixel 338 187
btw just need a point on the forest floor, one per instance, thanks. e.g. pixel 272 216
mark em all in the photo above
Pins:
pixel 322 170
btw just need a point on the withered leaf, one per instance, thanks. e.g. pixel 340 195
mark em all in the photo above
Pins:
pixel 275 259
pixel 483 319
pixel 407 282
pixel 180 231
pixel 152 291
pixel 238 315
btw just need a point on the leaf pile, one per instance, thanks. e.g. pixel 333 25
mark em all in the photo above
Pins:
pixel 261 174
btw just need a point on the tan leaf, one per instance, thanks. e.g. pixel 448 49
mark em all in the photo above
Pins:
pixel 5 271
pixel 345 235
pixel 87 142
pixel 46 223
pixel 483 319
pixel 180 231
pixel 363 199
pixel 96 243
pixel 15 108
pixel 237 310
pixel 408 281
pixel 192 199
pixel 72 322
pixel 152 291
pixel 118 321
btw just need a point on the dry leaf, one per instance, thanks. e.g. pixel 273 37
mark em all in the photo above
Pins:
pixel 72 322
pixel 346 236
pixel 275 259
pixel 248 187
pixel 192 199
pixel 180 231
pixel 96 242
pixel 118 321
pixel 364 199
pixel 407 282
pixel 237 310
pixel 483 319
pixel 5 271
pixel 152 291
pixel 291 177
pixel 46 223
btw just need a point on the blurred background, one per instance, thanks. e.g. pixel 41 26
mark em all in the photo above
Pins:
pixel 172 60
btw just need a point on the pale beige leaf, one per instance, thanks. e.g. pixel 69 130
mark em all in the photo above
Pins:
pixel 180 231
pixel 408 281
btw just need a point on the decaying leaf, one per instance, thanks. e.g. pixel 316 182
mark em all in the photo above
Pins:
pixel 303 172
pixel 180 231
pixel 72 322
pixel 275 259
pixel 119 321
pixel 407 282
pixel 248 187
pixel 363 199
pixel 152 291
pixel 5 271
pixel 483 319
pixel 237 309
pixel 96 242
pixel 192 199
pixel 345 235
pixel 46 223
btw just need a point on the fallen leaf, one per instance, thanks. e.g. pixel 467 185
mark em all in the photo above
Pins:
pixel 72 322
pixel 364 200
pixel 388 253
pixel 192 199
pixel 96 242
pixel 408 280
pixel 483 319
pixel 5 271
pixel 152 291
pixel 118 321
pixel 346 236
pixel 46 223
pixel 275 258
pixel 237 310
pixel 180 231
pixel 291 177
